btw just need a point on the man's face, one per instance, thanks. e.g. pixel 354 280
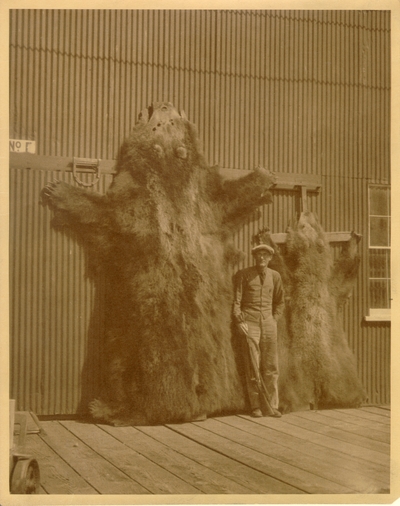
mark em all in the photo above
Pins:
pixel 262 258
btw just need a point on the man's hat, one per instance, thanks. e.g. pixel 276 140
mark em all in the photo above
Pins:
pixel 260 247
pixel 260 242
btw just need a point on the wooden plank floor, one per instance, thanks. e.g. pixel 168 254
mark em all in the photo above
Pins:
pixel 343 451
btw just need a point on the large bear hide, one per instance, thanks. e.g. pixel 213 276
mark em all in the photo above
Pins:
pixel 160 237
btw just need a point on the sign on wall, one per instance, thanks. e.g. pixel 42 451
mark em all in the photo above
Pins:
pixel 22 146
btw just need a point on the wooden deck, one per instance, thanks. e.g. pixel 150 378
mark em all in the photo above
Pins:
pixel 342 451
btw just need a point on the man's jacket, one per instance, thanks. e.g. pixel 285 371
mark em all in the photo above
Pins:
pixel 254 301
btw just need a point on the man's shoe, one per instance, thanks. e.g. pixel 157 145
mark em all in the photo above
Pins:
pixel 276 413
pixel 256 413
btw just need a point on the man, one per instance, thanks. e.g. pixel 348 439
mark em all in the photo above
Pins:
pixel 258 304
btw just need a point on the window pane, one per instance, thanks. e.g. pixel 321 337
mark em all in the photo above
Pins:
pixel 379 201
pixel 379 263
pixel 379 293
pixel 379 231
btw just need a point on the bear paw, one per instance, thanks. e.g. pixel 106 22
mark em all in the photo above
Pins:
pixel 115 415
pixel 54 194
pixel 100 410
pixel 266 175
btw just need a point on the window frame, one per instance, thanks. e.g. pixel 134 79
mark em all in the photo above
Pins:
pixel 378 314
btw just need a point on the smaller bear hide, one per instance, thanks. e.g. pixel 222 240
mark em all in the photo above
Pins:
pixel 317 366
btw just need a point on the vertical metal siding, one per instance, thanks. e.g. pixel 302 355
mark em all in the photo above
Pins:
pixel 51 305
pixel 344 208
pixel 83 76
pixel 293 91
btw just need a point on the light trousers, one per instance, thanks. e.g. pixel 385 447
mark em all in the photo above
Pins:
pixel 262 349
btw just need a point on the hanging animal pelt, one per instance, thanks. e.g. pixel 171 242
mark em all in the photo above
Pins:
pixel 159 240
pixel 317 367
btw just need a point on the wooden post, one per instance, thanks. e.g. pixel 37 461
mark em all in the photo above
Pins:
pixel 12 417
pixel 303 198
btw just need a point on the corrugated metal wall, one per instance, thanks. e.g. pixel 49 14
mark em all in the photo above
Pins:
pixel 294 91
pixel 56 311
pixel 298 87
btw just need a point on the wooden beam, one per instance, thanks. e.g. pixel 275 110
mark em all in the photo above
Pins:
pixel 280 238
pixel 61 163
pixel 283 180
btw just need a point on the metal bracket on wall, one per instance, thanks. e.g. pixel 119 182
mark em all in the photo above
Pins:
pixel 86 163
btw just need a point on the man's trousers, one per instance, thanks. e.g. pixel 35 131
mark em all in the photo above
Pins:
pixel 261 345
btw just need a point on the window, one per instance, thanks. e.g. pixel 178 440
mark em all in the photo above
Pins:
pixel 379 252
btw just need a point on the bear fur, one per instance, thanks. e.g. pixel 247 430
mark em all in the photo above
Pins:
pixel 161 240
pixel 161 237
pixel 317 366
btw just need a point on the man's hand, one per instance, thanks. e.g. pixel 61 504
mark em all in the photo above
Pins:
pixel 243 328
